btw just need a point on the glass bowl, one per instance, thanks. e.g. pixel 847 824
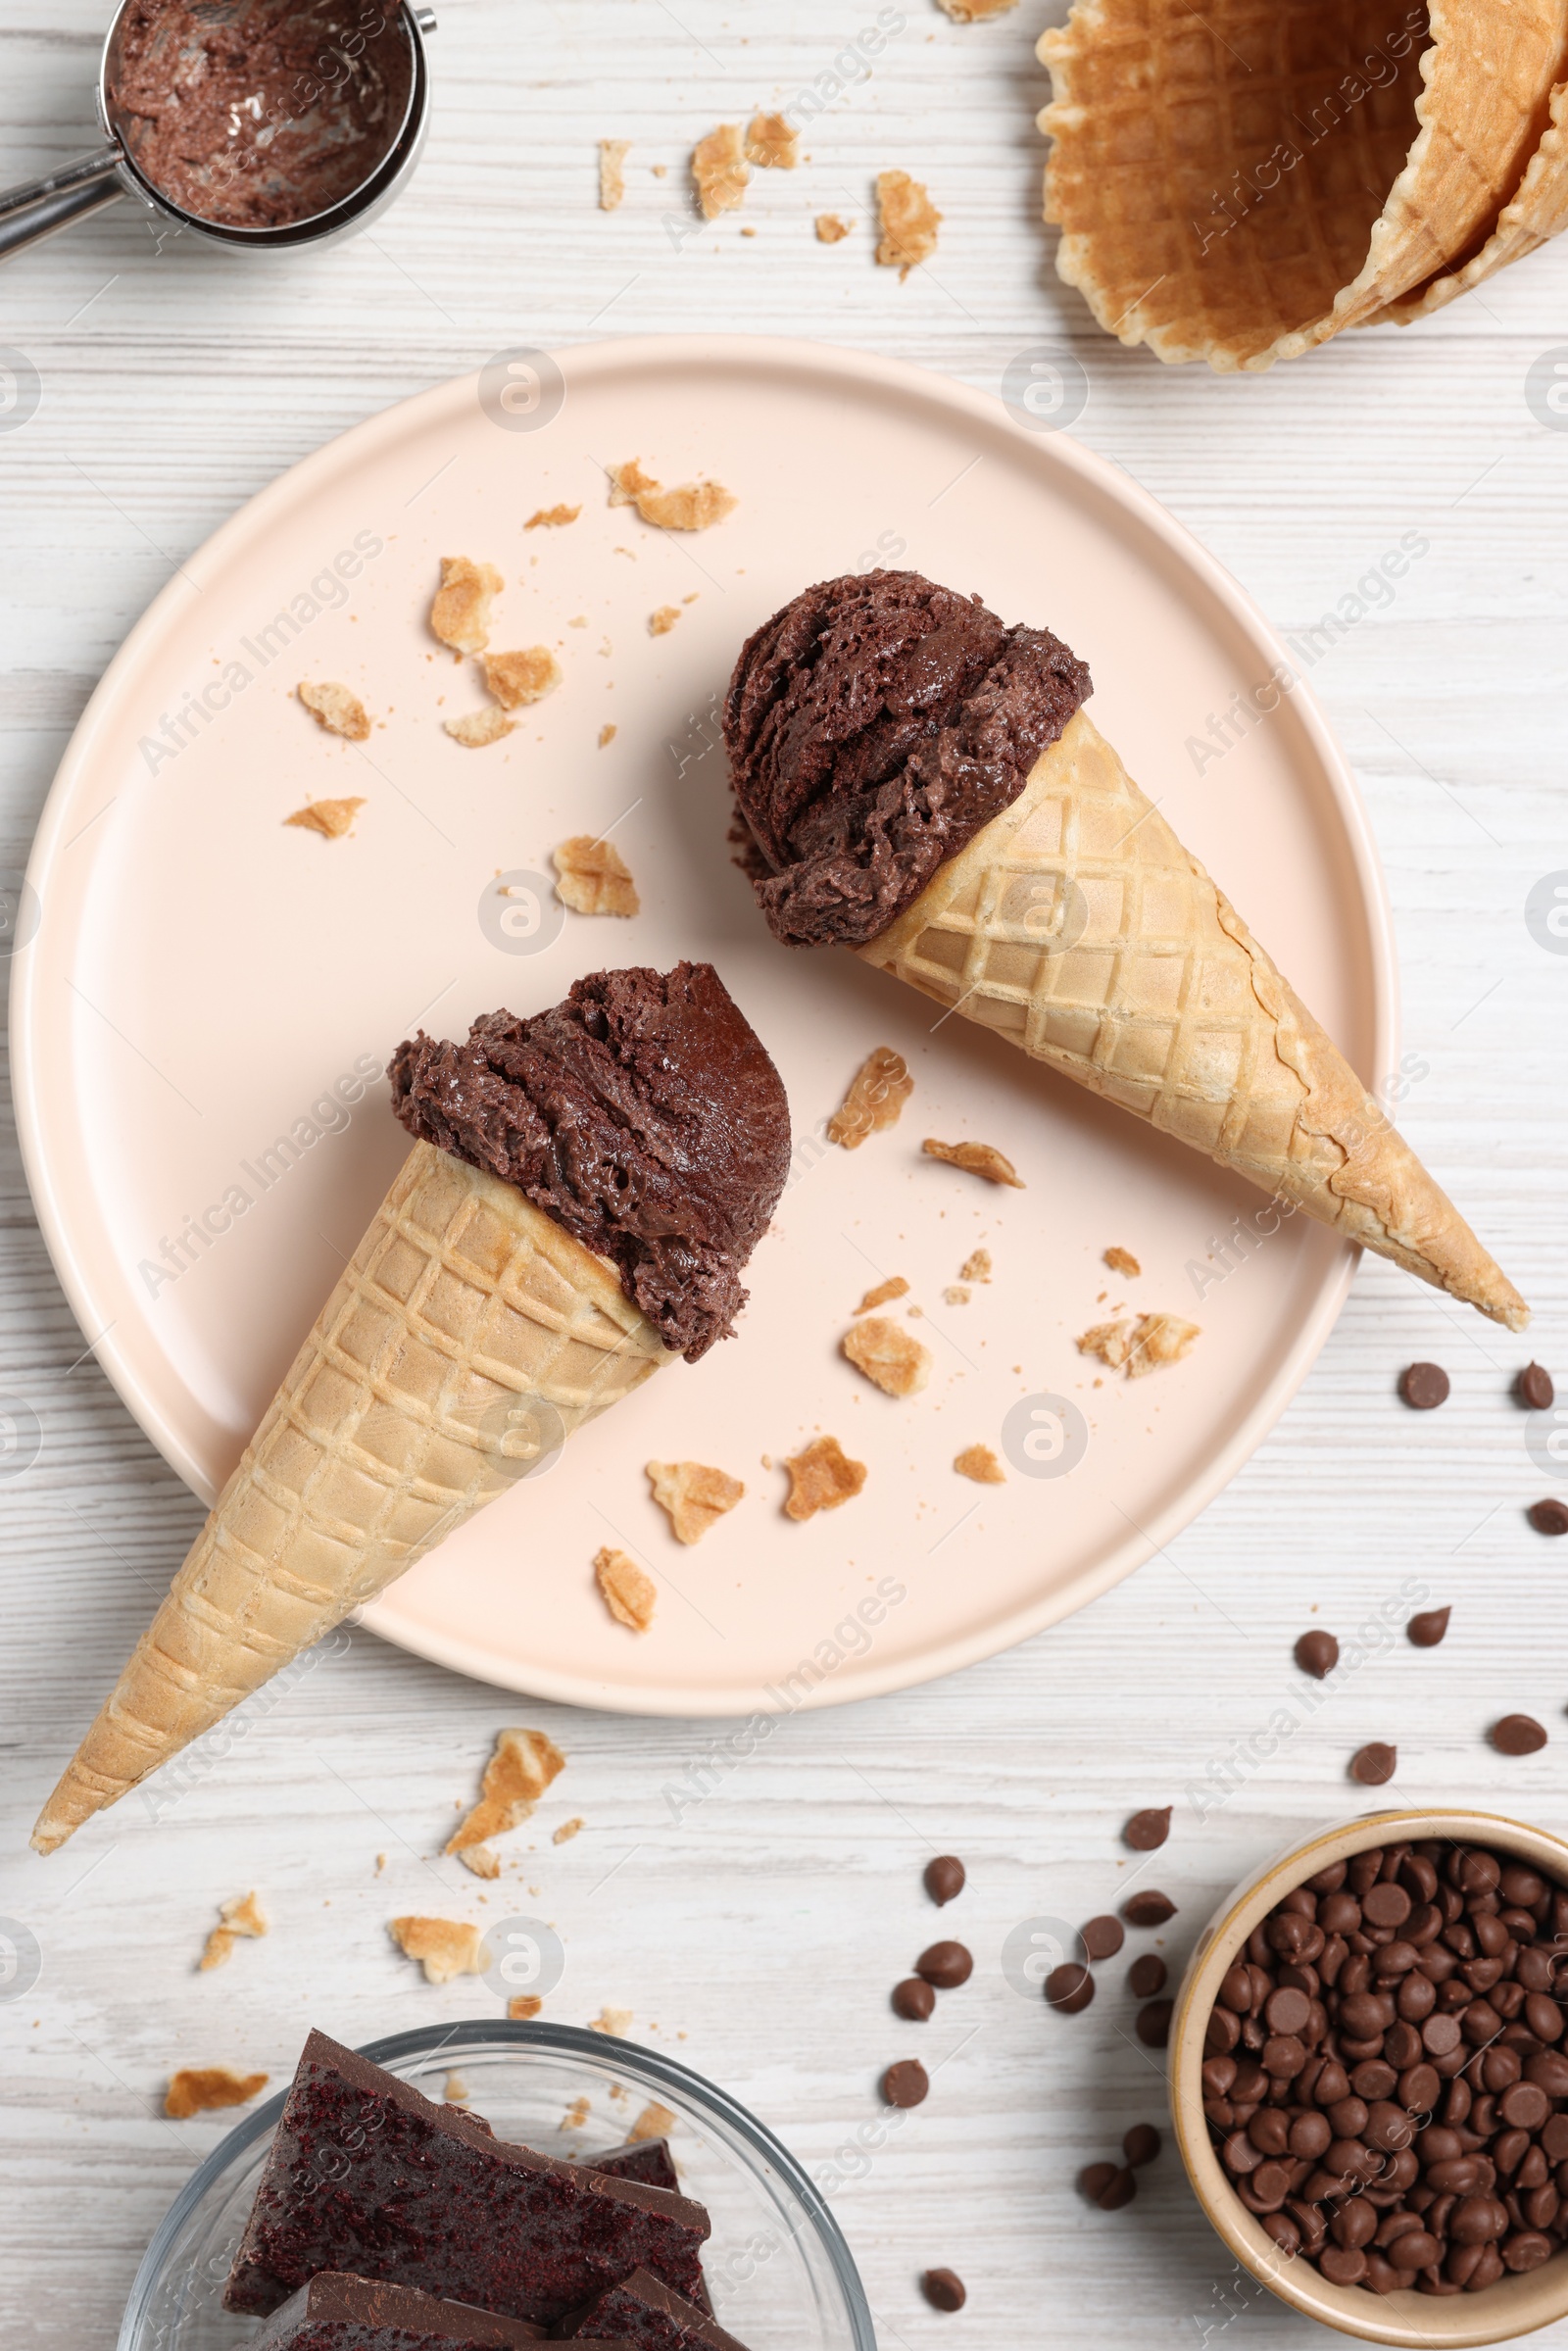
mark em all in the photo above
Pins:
pixel 778 2269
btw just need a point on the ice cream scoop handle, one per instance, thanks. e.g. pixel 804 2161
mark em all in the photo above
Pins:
pixel 41 206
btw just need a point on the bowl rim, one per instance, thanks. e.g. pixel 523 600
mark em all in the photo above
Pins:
pixel 1491 2316
pixel 570 2040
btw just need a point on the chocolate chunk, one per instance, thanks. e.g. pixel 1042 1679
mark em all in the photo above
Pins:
pixel 1534 1389
pixel 1548 1517
pixel 1424 1385
pixel 334 2309
pixel 1147 1976
pixel 946 1965
pixel 1425 1632
pixel 1518 1735
pixel 913 2000
pixel 1153 2023
pixel 1104 1937
pixel 1317 1653
pixel 1374 1763
pixel 1147 1828
pixel 1069 1988
pixel 640 2311
pixel 943 2289
pixel 1140 2144
pixel 646 2159
pixel 905 2084
pixel 1147 1909
pixel 945 1877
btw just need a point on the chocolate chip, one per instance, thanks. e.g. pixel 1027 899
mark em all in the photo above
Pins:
pixel 1425 1630
pixel 1147 1909
pixel 1069 1988
pixel 1424 1385
pixel 905 2084
pixel 1141 2143
pixel 1534 1389
pixel 1147 1829
pixel 1153 2023
pixel 1548 1517
pixel 1518 1735
pixel 1317 1653
pixel 1374 1763
pixel 1120 2189
pixel 946 1965
pixel 913 2000
pixel 1095 2179
pixel 1147 1976
pixel 1104 1937
pixel 943 2289
pixel 945 1877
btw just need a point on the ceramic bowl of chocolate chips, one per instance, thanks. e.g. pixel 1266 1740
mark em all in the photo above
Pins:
pixel 1369 2077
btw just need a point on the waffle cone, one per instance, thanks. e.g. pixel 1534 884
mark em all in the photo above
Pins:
pixel 1537 211
pixel 467 1336
pixel 1238 184
pixel 1077 927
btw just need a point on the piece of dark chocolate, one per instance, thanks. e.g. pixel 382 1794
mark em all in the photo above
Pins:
pixel 646 2159
pixel 335 2311
pixel 642 2311
pixel 368 2177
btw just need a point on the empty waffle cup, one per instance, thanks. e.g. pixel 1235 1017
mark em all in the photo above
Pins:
pixel 1516 2305
pixel 1238 184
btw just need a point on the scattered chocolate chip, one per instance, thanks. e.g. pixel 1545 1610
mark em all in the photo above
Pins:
pixel 1147 1976
pixel 1548 1517
pixel 1104 1937
pixel 1153 2023
pixel 1317 1653
pixel 1534 1389
pixel 1374 1763
pixel 913 2000
pixel 1147 1909
pixel 1141 2143
pixel 946 1965
pixel 1426 1630
pixel 943 2289
pixel 905 2084
pixel 1148 1830
pixel 1424 1385
pixel 945 1877
pixel 1069 1988
pixel 1095 2179
pixel 1518 1735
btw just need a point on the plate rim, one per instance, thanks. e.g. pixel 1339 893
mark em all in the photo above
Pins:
pixel 799 354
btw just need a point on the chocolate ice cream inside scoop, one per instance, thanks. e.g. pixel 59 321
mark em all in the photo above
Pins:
pixel 873 725
pixel 643 1114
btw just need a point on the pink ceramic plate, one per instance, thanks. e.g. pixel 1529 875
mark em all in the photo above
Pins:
pixel 203 977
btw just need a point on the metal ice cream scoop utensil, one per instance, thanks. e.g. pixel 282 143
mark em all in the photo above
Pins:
pixel 89 182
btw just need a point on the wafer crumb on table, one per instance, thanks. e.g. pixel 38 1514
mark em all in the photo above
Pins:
pixel 205 2088
pixel 612 154
pixel 719 170
pixel 521 1766
pixel 445 1948
pixel 909 222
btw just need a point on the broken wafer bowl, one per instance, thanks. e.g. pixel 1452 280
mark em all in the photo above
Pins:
pixel 1498 2314
pixel 779 2272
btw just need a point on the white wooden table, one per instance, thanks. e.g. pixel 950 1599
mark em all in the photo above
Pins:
pixel 769 1925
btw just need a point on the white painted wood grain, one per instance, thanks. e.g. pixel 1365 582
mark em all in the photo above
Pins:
pixel 769 1924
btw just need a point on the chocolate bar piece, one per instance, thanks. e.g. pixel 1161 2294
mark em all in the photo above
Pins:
pixel 338 2313
pixel 369 2177
pixel 646 2159
pixel 646 2313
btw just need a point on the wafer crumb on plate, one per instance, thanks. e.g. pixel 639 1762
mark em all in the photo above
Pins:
pixel 612 154
pixel 521 1766
pixel 909 222
pixel 695 1495
pixel 888 1356
pixel 975 1158
pixel 593 878
pixel 460 613
pixel 1122 1261
pixel 772 143
pixel 878 1092
pixel 444 1947
pixel 894 1286
pixel 477 729
pixel 1142 1346
pixel 331 819
pixel 719 170
pixel 630 1594
pixel 552 517
pixel 979 1462
pixel 660 623
pixel 608 734
pixel 691 506
pixel 205 2088
pixel 976 1267
pixel 336 710
pixel 517 679
pixel 956 1295
pixel 821 1477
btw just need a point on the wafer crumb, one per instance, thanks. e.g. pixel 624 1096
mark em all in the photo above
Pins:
pixel 552 517
pixel 381 1863
pixel 830 229
pixel 518 678
pixel 616 2022
pixel 1122 1261
pixel 577 2112
pixel 476 728
pixel 456 2092
pixel 894 1286
pixel 694 506
pixel 612 154
pixel 607 734
pixel 630 1595
pixel 654 2121
pixel 979 1462
pixel 523 2005
pixel 878 1092
pixel 888 1356
pixel 242 1916
pixel 696 1496
pixel 977 1158
pixel 719 170
pixel 204 2088
pixel 568 1830
pixel 444 1947
pixel 956 1295
pixel 772 143
pixel 975 11
pixel 821 1477
pixel 976 1267
pixel 660 623
pixel 519 1770
pixel 331 819
pixel 1141 1346
pixel 593 878
pixel 461 614
pixel 481 1859
pixel 909 222
pixel 335 708
pixel 628 481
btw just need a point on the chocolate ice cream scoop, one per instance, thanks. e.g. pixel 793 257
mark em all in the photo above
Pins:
pixel 873 725
pixel 643 1114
